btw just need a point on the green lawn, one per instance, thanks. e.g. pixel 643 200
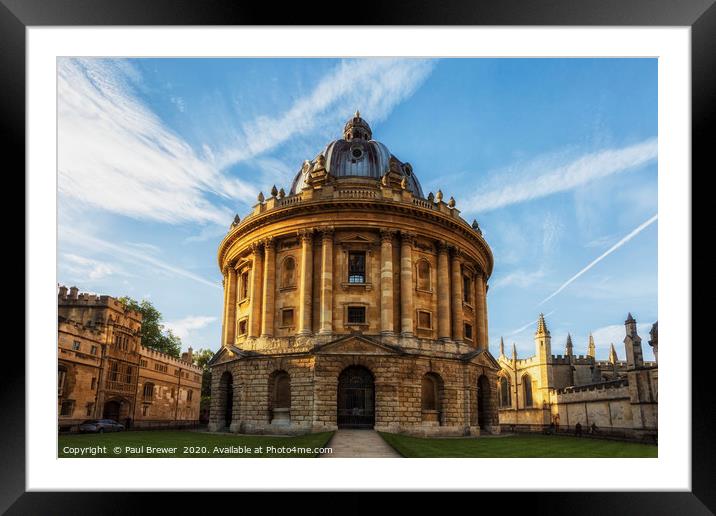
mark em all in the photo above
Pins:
pixel 188 444
pixel 548 446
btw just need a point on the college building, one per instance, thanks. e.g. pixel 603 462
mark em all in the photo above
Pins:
pixel 105 372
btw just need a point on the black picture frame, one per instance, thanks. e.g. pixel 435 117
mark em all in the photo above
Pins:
pixel 17 15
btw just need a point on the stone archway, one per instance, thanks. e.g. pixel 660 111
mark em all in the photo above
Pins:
pixel 484 391
pixel 117 409
pixel 356 398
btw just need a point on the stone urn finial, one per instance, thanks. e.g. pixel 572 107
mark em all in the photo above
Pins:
pixel 451 202
pixel 281 193
pixel 439 196
pixel 274 191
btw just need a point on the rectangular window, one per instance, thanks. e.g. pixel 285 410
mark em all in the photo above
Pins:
pixel 93 383
pixel 162 368
pixel 76 345
pixel 93 350
pixel 287 317
pixel 189 395
pixel 466 289
pixel 356 267
pixel 143 363
pixel 145 408
pixel 90 406
pixel 243 326
pixel 356 315
pixel 468 331
pixel 425 320
pixel 68 406
pixel 244 285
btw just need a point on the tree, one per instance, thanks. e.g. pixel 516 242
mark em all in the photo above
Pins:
pixel 154 334
pixel 201 359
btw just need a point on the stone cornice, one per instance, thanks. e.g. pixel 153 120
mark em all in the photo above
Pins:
pixel 457 225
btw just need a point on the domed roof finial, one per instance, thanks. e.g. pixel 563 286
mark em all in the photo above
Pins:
pixel 356 127
pixel 357 114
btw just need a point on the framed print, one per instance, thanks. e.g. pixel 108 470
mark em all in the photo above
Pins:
pixel 445 237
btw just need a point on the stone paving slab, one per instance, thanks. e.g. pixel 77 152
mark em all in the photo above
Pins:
pixel 358 443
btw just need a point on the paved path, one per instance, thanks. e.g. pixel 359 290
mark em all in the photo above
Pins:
pixel 358 443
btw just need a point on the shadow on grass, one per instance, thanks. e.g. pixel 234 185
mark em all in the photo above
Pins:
pixel 518 446
pixel 177 443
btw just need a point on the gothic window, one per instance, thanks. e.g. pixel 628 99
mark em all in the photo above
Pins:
pixel 61 376
pixel 189 394
pixel 148 391
pixel 423 275
pixel 505 398
pixel 356 267
pixel 356 315
pixel 128 375
pixel 288 273
pixel 113 371
pixel 527 388
pixel 67 407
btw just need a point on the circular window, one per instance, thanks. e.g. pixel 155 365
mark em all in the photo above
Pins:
pixel 357 152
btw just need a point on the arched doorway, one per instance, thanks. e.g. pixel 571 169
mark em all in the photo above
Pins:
pixel 483 402
pixel 111 410
pixel 356 398
pixel 226 398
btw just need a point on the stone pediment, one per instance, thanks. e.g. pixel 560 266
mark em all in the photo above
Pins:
pixel 482 357
pixel 227 355
pixel 356 345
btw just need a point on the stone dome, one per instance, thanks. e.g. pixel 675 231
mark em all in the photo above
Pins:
pixel 356 155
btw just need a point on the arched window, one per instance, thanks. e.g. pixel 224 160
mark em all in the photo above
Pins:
pixel 148 391
pixel 288 272
pixel 423 275
pixel 431 398
pixel 505 395
pixel 527 388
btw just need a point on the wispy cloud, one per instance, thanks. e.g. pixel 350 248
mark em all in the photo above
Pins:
pixel 374 86
pixel 609 251
pixel 115 154
pixel 614 334
pixel 519 278
pixel 182 328
pixel 132 254
pixel 549 175
pixel 83 268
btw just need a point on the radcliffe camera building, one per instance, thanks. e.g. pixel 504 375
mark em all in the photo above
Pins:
pixel 104 372
pixel 355 301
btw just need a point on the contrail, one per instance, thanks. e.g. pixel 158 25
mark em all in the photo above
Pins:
pixel 606 253
pixel 523 328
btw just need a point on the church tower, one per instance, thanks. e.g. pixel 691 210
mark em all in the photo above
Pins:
pixel 543 341
pixel 632 344
pixel 544 373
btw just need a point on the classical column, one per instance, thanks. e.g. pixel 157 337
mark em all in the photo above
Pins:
pixel 269 287
pixel 230 295
pixel 443 292
pixel 485 334
pixel 480 311
pixel 457 315
pixel 406 283
pixel 476 316
pixel 256 287
pixel 305 289
pixel 386 281
pixel 326 281
pixel 225 316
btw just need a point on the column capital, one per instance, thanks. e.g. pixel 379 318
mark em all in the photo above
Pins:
pixel 443 246
pixel 457 252
pixel 306 234
pixel 326 232
pixel 408 237
pixel 255 247
pixel 269 242
pixel 387 234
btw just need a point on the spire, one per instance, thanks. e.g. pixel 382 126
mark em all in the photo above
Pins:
pixel 613 354
pixel 542 325
pixel 502 347
pixel 591 348
pixel 630 318
pixel 514 351
pixel 569 348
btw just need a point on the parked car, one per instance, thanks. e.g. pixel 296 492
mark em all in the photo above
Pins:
pixel 100 426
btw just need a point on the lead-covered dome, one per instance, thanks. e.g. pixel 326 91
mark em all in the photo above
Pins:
pixel 356 155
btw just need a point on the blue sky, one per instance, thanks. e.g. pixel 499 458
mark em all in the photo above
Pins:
pixel 556 158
